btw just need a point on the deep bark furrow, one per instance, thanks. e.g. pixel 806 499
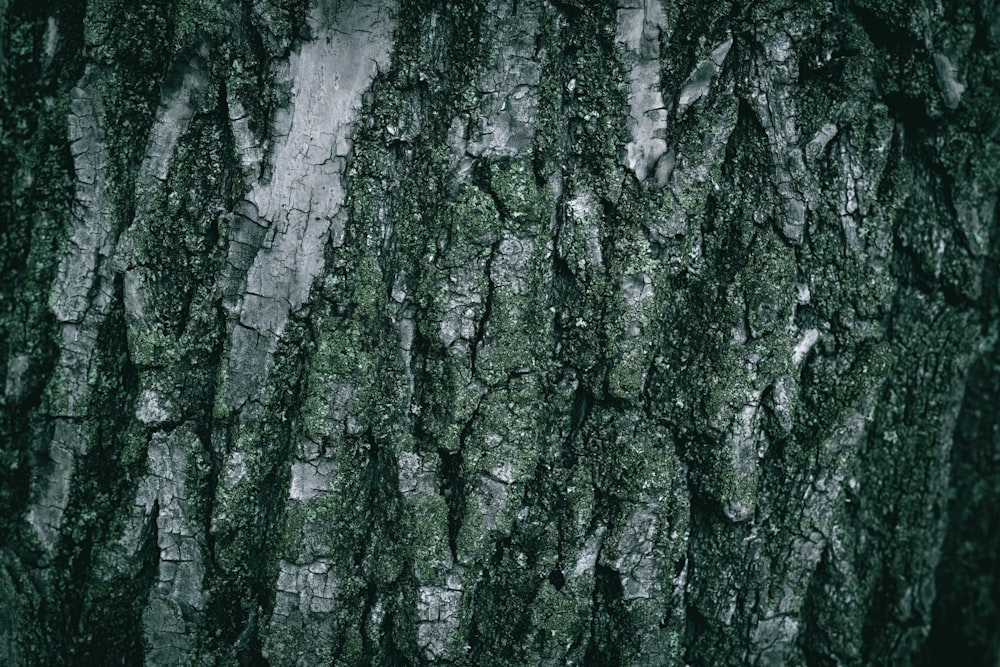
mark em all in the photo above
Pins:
pixel 498 332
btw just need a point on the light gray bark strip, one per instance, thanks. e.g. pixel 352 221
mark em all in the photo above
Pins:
pixel 300 198
pixel 79 299
pixel 640 24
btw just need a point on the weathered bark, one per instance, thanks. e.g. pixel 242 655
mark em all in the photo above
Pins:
pixel 491 332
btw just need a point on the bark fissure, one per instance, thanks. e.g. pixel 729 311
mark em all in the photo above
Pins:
pixel 510 331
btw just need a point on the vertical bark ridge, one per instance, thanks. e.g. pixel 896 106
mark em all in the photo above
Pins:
pixel 496 332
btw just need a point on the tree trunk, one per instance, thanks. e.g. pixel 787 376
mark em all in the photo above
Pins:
pixel 499 332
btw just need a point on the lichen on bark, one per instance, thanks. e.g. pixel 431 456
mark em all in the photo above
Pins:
pixel 532 332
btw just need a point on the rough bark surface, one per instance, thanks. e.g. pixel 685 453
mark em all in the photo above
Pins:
pixel 499 332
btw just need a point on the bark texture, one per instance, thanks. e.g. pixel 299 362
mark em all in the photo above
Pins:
pixel 499 332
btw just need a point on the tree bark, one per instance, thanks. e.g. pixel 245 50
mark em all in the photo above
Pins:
pixel 499 332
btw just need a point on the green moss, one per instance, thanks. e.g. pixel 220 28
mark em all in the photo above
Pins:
pixel 499 627
pixel 561 618
pixel 836 59
pixel 352 375
pixel 522 200
pixel 473 224
pixel 198 19
pixel 128 33
pixel 768 286
pixel 427 517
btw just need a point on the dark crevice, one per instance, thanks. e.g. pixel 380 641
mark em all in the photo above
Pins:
pixel 909 110
pixel 966 608
pixel 583 402
pixel 608 620
pixel 882 32
pixel 96 619
pixel 501 618
pixel 480 333
pixel 452 482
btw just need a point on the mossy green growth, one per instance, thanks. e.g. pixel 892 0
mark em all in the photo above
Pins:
pixel 251 473
pixel 499 451
pixel 136 34
pixel 903 468
pixel 342 376
pixel 517 319
pixel 522 201
pixel 285 645
pixel 830 388
pixel 426 518
pixel 134 43
pixel 632 329
pixel 498 627
pixel 836 60
pixel 562 619
pixel 767 283
pixel 473 225
pixel 200 19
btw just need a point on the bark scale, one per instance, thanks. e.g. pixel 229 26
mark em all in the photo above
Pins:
pixel 494 332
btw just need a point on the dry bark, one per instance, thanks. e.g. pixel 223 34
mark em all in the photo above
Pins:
pixel 499 332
